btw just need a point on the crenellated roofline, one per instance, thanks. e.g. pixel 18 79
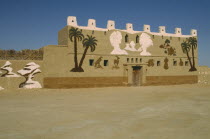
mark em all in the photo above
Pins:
pixel 72 21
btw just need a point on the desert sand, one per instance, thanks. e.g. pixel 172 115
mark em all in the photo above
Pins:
pixel 158 112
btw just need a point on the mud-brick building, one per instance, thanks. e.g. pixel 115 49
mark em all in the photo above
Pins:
pixel 119 57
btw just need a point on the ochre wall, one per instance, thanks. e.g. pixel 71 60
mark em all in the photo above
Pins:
pixel 13 82
pixel 168 80
pixel 83 82
pixel 104 46
pixel 58 61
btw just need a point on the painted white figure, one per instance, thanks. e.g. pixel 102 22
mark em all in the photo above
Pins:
pixel 1 88
pixel 115 40
pixel 8 70
pixel 28 72
pixel 131 46
pixel 145 42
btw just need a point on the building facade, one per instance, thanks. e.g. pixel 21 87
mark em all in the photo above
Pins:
pixel 121 57
pixel 88 56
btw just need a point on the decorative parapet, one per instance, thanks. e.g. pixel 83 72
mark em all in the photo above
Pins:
pixel 129 27
pixel 72 21
pixel 178 31
pixel 110 24
pixel 162 29
pixel 92 23
pixel 193 32
pixel 147 28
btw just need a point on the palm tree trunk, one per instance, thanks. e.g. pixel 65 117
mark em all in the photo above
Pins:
pixel 193 56
pixel 75 53
pixel 189 60
pixel 83 57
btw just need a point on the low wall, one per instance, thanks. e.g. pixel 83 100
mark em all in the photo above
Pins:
pixel 170 80
pixel 11 83
pixel 83 82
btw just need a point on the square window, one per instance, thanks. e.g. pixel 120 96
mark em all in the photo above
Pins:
pixel 186 63
pixel 158 63
pixel 136 60
pixel 91 62
pixel 105 62
pixel 175 63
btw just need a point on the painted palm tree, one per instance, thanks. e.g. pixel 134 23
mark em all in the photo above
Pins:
pixel 75 35
pixel 193 44
pixel 167 42
pixel 88 42
pixel 186 48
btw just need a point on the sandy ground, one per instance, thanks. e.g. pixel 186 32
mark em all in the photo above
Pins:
pixel 160 112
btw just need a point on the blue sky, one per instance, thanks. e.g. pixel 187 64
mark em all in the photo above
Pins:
pixel 35 23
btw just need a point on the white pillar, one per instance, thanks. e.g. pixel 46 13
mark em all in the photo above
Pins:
pixel 92 23
pixel 72 21
pixel 147 28
pixel 129 27
pixel 110 24
pixel 162 29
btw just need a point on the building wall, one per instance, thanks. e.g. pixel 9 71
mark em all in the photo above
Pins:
pixel 14 82
pixel 204 75
pixel 104 46
pixel 175 74
pixel 58 60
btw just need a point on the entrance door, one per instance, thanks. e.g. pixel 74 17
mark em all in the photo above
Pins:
pixel 136 75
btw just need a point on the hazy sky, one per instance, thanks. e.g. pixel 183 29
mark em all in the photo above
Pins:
pixel 35 23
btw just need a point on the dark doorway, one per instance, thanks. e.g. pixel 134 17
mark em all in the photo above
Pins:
pixel 136 75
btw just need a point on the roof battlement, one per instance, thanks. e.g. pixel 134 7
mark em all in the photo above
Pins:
pixel 72 21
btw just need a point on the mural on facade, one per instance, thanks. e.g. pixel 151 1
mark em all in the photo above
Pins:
pixel 150 63
pixel 181 63
pixel 145 42
pixel 89 42
pixel 168 49
pixel 115 40
pixel 75 35
pixel 8 70
pixel 29 71
pixel 1 88
pixel 190 44
pixel 166 63
pixel 131 46
pixel 116 63
pixel 98 63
